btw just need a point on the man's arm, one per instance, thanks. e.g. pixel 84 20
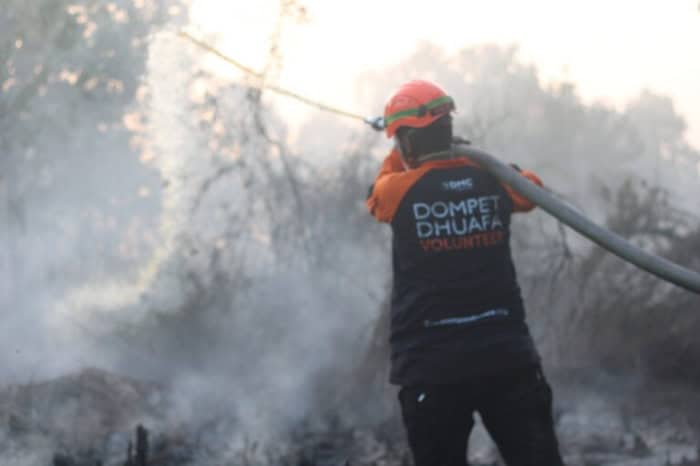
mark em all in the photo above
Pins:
pixel 520 203
pixel 390 186
pixel 376 201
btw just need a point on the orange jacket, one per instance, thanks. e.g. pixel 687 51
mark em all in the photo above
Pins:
pixel 456 307
pixel 394 181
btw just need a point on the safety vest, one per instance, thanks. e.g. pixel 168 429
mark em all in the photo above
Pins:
pixel 456 307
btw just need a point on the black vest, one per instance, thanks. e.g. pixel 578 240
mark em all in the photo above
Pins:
pixel 457 310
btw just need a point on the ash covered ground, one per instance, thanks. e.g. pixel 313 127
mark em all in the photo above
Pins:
pixel 91 418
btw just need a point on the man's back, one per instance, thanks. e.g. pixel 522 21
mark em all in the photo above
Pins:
pixel 456 306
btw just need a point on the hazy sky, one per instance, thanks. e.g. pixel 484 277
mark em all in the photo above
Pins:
pixel 610 49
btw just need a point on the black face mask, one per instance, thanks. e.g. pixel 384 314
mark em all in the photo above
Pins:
pixel 417 142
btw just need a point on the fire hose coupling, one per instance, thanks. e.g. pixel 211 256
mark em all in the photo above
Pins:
pixel 377 123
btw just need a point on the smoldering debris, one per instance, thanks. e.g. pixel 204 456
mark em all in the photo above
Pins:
pixel 97 417
pixel 86 415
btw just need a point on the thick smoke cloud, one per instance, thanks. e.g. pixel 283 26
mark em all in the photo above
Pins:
pixel 166 229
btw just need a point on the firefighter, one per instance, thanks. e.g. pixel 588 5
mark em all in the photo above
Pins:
pixel 459 340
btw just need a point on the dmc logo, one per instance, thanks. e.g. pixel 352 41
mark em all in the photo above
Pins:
pixel 458 185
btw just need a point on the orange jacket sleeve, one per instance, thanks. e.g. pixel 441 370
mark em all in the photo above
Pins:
pixel 390 186
pixel 520 203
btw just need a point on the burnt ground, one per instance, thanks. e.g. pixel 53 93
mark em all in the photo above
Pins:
pixel 90 418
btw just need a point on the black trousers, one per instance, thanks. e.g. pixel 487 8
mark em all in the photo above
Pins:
pixel 516 409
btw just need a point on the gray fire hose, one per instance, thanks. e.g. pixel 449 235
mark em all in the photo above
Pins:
pixel 667 270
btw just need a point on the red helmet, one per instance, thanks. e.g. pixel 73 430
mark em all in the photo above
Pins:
pixel 416 104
